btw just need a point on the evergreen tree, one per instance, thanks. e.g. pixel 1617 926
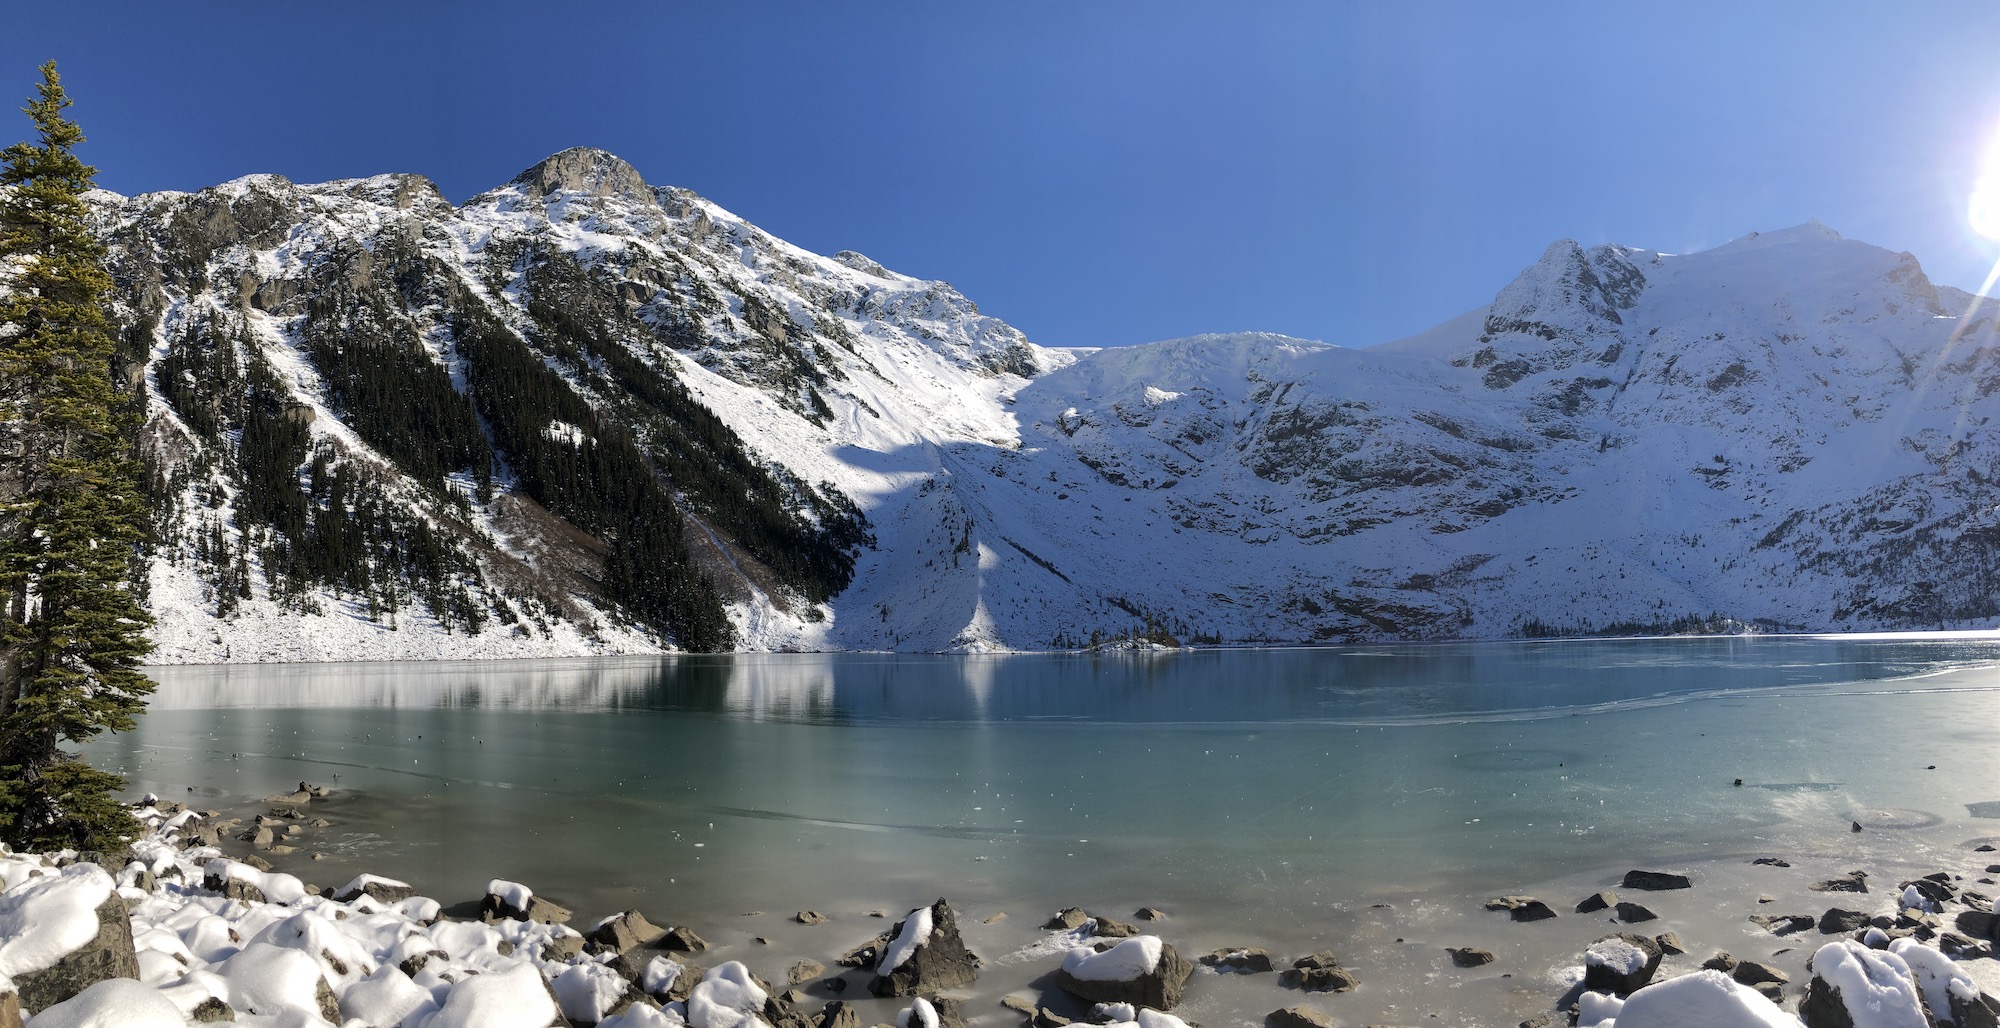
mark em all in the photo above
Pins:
pixel 72 516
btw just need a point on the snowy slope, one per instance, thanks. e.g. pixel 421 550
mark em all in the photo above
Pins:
pixel 1792 429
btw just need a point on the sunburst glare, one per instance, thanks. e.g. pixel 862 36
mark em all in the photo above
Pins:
pixel 1982 207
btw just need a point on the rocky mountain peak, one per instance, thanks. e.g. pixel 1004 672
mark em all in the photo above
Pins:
pixel 1570 293
pixel 862 263
pixel 584 169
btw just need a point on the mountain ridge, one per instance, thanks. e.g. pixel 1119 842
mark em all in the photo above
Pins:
pixel 841 457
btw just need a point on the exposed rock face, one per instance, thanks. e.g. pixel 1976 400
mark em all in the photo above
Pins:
pixel 586 170
pixel 1837 920
pixel 938 962
pixel 109 954
pixel 1159 986
pixel 1620 963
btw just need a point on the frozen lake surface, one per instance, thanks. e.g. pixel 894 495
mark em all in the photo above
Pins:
pixel 1270 797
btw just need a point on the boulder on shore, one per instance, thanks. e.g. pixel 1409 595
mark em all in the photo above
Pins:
pixel 61 934
pixel 621 933
pixel 1855 987
pixel 1143 970
pixel 925 953
pixel 512 901
pixel 1596 901
pixel 1620 963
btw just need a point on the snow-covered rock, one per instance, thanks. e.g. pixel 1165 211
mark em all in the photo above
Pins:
pixel 924 953
pixel 1143 971
pixel 1620 963
pixel 113 1003
pixel 1857 987
pixel 1704 999
pixel 516 997
pixel 60 934
pixel 729 996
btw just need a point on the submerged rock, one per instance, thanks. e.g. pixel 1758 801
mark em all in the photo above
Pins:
pixel 1656 881
pixel 1470 956
pixel 1853 881
pixel 1522 908
pixel 1319 972
pixel 1596 901
pixel 1298 1017
pixel 1633 913
pixel 1783 924
pixel 1242 960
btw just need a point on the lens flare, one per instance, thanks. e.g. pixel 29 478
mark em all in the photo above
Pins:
pixel 1982 208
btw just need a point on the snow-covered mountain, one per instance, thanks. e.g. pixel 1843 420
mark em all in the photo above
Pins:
pixel 575 413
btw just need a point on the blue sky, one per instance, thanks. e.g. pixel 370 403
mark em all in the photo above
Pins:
pixel 1103 172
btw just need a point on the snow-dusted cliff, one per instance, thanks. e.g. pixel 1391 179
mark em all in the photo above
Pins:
pixel 1791 429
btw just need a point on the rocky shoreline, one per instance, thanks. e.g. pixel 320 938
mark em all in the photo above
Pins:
pixel 195 924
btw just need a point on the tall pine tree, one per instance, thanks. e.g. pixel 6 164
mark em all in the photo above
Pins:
pixel 72 517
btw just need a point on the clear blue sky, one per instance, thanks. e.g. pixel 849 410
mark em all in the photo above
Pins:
pixel 1099 172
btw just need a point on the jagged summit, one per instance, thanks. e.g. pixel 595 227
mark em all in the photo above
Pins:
pixel 583 169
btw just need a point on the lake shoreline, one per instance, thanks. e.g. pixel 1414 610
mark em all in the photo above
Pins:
pixel 1368 802
pixel 1402 957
